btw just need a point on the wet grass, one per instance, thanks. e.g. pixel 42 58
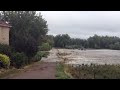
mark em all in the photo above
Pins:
pixel 60 74
pixel 94 71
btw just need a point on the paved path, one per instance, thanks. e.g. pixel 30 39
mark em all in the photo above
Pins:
pixel 41 70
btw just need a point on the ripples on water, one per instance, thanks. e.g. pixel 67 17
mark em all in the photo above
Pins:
pixel 102 56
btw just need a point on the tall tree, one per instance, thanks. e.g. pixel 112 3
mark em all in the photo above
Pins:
pixel 97 42
pixel 28 30
pixel 62 40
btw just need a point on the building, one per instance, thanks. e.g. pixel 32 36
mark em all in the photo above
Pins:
pixel 4 32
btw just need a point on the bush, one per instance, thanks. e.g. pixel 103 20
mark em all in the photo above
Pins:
pixel 44 54
pixel 74 47
pixel 94 71
pixel 19 60
pixel 60 74
pixel 115 46
pixel 40 54
pixel 28 45
pixel 5 49
pixel 5 60
pixel 44 47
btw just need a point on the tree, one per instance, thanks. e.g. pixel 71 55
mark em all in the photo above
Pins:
pixel 28 30
pixel 97 42
pixel 115 46
pixel 62 40
pixel 50 40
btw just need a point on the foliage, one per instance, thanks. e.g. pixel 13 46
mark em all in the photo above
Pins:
pixel 19 60
pixel 94 71
pixel 65 41
pixel 44 54
pixel 74 47
pixel 44 47
pixel 4 60
pixel 50 40
pixel 104 42
pixel 5 49
pixel 60 74
pixel 62 40
pixel 27 32
pixel 40 54
pixel 96 42
pixel 115 46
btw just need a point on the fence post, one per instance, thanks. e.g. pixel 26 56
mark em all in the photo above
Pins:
pixel 94 71
pixel 79 71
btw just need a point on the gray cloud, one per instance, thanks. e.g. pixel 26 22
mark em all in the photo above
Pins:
pixel 82 24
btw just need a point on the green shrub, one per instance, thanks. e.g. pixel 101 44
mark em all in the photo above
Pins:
pixel 44 47
pixel 40 54
pixel 28 45
pixel 60 74
pixel 115 46
pixel 5 60
pixel 19 60
pixel 5 49
pixel 44 54
pixel 73 47
pixel 94 71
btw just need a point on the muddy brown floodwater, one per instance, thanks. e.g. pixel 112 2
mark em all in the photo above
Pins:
pixel 96 56
pixel 47 68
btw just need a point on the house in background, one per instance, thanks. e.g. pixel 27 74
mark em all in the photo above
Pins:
pixel 4 32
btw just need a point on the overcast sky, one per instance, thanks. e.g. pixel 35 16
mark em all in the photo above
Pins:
pixel 82 24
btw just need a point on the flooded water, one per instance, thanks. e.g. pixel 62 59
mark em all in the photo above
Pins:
pixel 52 57
pixel 96 56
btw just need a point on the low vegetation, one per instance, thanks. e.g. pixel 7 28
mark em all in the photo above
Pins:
pixel 5 49
pixel 5 72
pixel 29 42
pixel 27 34
pixel 63 54
pixel 60 74
pixel 40 54
pixel 94 71
pixel 44 47
pixel 19 60
pixel 4 61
